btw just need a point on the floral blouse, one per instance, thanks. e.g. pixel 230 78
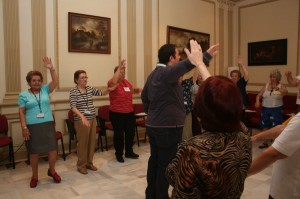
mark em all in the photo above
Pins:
pixel 187 94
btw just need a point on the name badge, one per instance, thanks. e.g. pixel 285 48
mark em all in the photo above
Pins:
pixel 40 115
pixel 126 89
pixel 87 112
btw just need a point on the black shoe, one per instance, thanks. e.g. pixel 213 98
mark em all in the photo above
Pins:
pixel 132 155
pixel 120 159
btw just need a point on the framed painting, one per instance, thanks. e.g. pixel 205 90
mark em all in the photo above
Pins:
pixel 89 34
pixel 180 37
pixel 273 52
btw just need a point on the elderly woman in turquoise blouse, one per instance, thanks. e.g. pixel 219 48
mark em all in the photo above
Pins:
pixel 37 121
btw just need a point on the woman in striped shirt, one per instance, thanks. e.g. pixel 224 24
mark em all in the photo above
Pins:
pixel 81 103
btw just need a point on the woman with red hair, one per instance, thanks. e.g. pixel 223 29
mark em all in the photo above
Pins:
pixel 215 163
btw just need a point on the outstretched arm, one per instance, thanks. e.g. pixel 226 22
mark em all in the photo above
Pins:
pixel 292 81
pixel 213 50
pixel 114 79
pixel 272 133
pixel 210 53
pixel 48 64
pixel 243 68
pixel 264 159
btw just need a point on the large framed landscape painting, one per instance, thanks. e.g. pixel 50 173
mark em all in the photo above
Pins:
pixel 89 34
pixel 272 52
pixel 180 37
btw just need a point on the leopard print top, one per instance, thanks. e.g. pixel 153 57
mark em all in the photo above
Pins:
pixel 211 165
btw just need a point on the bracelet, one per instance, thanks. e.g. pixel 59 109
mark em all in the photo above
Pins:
pixel 24 127
pixel 52 69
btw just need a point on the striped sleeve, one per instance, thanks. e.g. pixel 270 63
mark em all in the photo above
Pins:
pixel 73 98
pixel 96 92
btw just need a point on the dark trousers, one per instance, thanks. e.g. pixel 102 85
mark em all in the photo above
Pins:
pixel 123 122
pixel 163 148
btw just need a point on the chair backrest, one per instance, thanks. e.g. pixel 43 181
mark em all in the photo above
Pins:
pixel 71 115
pixel 103 112
pixel 138 108
pixel 3 125
pixel 231 68
pixel 71 128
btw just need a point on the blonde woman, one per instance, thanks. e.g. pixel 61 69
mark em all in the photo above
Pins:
pixel 271 94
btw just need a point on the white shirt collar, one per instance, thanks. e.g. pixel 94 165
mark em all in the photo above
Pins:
pixel 160 64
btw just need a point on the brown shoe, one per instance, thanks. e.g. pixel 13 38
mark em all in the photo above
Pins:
pixel 82 171
pixel 91 167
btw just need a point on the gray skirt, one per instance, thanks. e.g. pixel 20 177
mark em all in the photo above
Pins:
pixel 42 138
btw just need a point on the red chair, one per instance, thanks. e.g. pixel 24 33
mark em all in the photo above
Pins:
pixel 6 140
pixel 98 131
pixel 71 129
pixel 104 122
pixel 140 120
pixel 59 136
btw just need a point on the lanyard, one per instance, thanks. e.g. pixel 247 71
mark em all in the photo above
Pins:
pixel 85 99
pixel 37 100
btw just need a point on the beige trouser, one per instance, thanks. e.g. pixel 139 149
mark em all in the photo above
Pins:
pixel 187 128
pixel 86 137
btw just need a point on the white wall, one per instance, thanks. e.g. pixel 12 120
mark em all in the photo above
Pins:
pixel 270 20
pixel 193 15
pixel 99 67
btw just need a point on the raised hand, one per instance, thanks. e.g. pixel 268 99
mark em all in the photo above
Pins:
pixel 213 50
pixel 288 73
pixel 195 56
pixel 239 61
pixel 48 63
pixel 122 64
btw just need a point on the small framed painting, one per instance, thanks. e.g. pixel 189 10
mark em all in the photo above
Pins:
pixel 273 52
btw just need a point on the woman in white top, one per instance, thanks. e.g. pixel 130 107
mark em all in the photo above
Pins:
pixel 271 94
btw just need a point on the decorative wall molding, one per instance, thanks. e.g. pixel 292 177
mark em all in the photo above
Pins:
pixel 11 49
pixel 131 41
pixel 38 13
pixel 226 5
pixel 147 34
